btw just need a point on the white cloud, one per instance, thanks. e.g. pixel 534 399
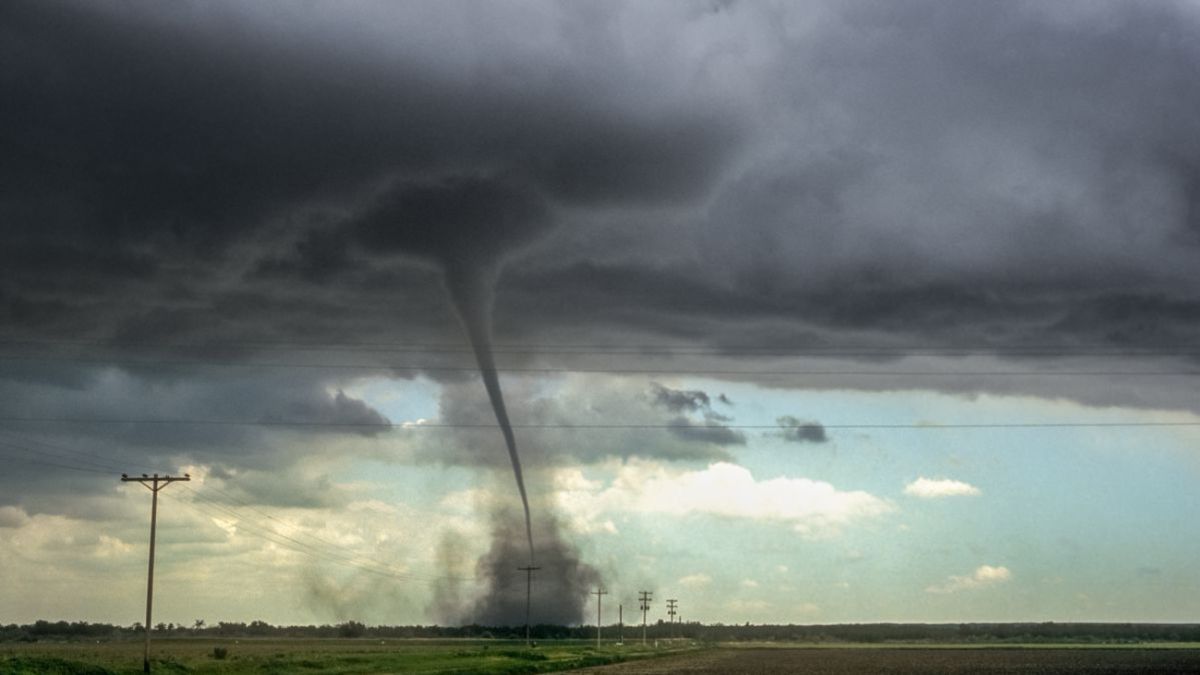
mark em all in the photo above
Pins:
pixel 697 580
pixel 984 575
pixel 928 488
pixel 722 489
pixel 749 583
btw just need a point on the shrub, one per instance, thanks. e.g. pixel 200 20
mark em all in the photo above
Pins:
pixel 220 652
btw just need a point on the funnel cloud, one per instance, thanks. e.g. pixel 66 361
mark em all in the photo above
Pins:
pixel 465 225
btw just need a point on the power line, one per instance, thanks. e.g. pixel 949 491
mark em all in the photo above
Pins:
pixel 39 462
pixel 213 508
pixel 564 370
pixel 410 426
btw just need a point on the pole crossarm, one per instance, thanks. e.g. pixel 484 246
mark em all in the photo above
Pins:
pixel 152 482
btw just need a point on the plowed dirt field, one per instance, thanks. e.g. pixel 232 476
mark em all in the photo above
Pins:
pixel 827 661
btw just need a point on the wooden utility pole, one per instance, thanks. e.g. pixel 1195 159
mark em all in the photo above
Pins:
pixel 153 484
pixel 645 598
pixel 620 624
pixel 598 592
pixel 671 613
pixel 528 584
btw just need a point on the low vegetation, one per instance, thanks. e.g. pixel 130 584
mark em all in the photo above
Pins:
pixel 315 655
pixel 351 647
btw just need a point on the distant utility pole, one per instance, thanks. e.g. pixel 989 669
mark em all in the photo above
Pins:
pixel 153 484
pixel 598 593
pixel 528 584
pixel 620 624
pixel 645 598
pixel 671 613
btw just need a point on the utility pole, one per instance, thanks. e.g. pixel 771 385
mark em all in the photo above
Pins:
pixel 528 584
pixel 645 598
pixel 598 592
pixel 671 613
pixel 153 484
pixel 620 624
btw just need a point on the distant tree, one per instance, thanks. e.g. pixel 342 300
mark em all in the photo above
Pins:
pixel 198 625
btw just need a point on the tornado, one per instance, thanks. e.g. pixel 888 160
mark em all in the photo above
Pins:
pixel 471 294
pixel 466 225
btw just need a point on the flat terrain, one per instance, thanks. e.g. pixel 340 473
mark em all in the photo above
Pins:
pixel 270 655
pixel 905 660
pixel 266 656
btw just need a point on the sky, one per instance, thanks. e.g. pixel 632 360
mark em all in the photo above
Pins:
pixel 835 311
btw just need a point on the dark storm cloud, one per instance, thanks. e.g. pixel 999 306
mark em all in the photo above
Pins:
pixel 338 411
pixel 179 131
pixel 216 180
pixel 678 400
pixel 798 431
pixel 850 167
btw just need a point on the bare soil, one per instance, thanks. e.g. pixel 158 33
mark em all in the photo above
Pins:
pixel 915 660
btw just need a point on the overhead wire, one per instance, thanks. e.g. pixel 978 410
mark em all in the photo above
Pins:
pixel 410 426
pixel 560 370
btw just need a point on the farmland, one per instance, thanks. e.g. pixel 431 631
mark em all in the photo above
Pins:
pixel 282 655
pixel 902 660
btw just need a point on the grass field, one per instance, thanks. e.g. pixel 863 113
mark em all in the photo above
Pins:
pixel 265 656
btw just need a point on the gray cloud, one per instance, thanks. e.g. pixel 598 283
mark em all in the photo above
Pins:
pixel 708 432
pixel 570 422
pixel 798 431
pixel 677 400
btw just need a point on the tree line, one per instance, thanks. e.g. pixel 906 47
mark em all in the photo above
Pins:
pixel 715 632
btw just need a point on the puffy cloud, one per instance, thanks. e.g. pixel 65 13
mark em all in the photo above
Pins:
pixel 982 577
pixel 12 517
pixel 730 491
pixel 697 580
pixel 929 488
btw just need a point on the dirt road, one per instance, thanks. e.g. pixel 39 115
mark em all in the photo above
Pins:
pixel 912 661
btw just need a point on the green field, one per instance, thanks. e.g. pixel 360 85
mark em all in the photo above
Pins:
pixel 338 655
